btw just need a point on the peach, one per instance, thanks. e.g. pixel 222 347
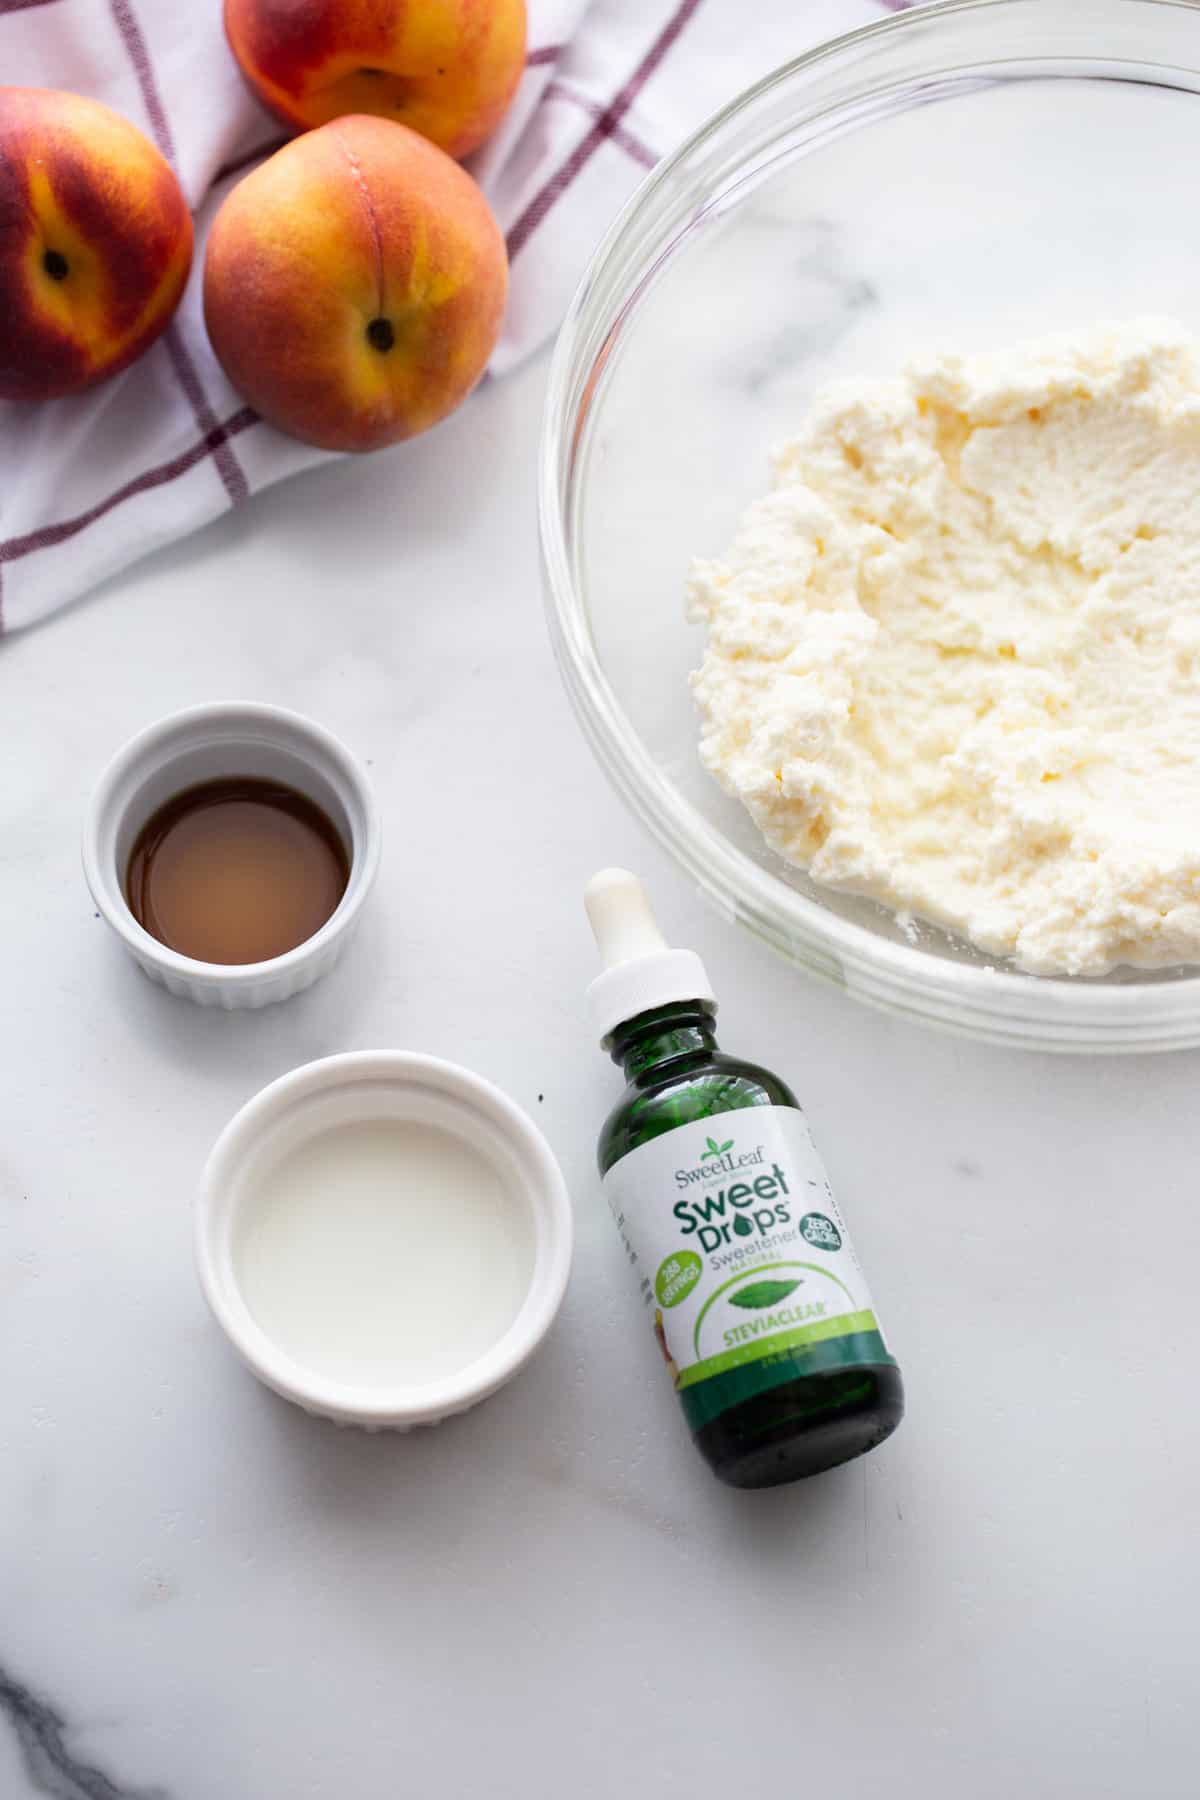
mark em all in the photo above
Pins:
pixel 445 68
pixel 95 243
pixel 354 285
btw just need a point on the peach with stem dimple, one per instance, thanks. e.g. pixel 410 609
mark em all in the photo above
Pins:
pixel 354 285
pixel 445 68
pixel 95 243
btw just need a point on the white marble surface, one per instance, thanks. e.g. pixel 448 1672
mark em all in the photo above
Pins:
pixel 206 1595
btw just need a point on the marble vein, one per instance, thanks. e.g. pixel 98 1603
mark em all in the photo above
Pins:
pixel 40 1732
pixel 822 304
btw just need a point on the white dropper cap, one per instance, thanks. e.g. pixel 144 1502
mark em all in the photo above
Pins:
pixel 640 972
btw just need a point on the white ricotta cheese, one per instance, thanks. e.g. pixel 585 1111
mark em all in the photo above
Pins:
pixel 953 657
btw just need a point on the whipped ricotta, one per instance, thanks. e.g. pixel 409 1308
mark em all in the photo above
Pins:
pixel 953 657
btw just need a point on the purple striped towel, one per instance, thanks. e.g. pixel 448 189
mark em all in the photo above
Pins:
pixel 90 484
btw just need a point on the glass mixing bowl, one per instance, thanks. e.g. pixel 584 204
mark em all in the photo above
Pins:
pixel 965 175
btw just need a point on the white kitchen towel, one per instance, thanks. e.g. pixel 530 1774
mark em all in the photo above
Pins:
pixel 88 485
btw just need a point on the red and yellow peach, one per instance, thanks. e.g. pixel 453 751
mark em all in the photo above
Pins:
pixel 445 68
pixel 354 285
pixel 95 243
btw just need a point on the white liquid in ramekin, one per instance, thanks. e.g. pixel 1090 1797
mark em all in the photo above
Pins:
pixel 385 1253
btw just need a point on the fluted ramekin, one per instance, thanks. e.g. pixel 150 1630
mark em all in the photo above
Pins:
pixel 206 743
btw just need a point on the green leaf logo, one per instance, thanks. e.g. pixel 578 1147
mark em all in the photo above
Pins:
pixel 715 1149
pixel 763 1293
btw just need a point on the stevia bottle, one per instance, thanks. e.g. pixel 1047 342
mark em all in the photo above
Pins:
pixel 760 1307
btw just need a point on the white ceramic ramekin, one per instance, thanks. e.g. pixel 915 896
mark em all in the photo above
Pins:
pixel 367 1086
pixel 205 743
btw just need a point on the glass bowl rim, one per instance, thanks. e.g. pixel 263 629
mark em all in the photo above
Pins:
pixel 1002 1004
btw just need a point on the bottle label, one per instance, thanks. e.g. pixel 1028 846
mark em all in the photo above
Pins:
pixel 743 1254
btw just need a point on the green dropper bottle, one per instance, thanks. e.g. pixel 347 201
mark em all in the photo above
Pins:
pixel 760 1306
